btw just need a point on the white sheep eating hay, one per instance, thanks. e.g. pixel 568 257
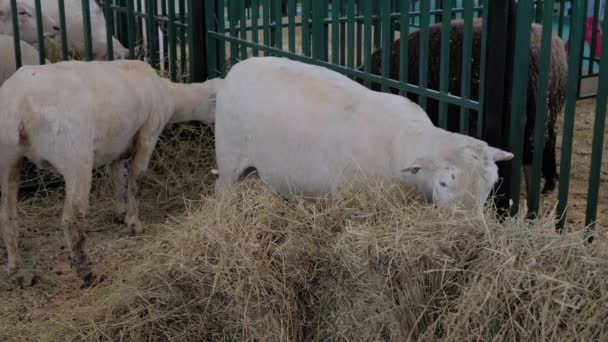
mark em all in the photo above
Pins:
pixel 26 16
pixel 72 117
pixel 307 130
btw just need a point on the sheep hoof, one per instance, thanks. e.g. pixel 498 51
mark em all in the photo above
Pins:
pixel 549 187
pixel 90 280
pixel 23 278
pixel 119 218
pixel 134 225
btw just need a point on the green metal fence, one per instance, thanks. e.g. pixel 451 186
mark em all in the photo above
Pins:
pixel 477 86
pixel 158 31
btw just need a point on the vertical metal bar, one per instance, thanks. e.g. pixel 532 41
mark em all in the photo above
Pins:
pixel 40 31
pixel 482 69
pixel 343 40
pixel 221 27
pixel 598 137
pixel 500 20
pixel 86 17
pixel 198 51
pixel 317 30
pixel 172 41
pixel 165 56
pixel 574 59
pixel 109 14
pixel 335 32
pixel 266 23
pixel 359 28
pixel 182 37
pixel 278 23
pixel 350 34
pixel 232 20
pixel 16 40
pixel 467 47
pixel 243 27
pixel 525 12
pixel 376 24
pixel 255 17
pixel 444 68
pixel 306 27
pixel 424 50
pixel 593 45
pixel 385 28
pixel 212 61
pixel 404 26
pixel 291 19
pixel 131 27
pixel 541 109
pixel 63 27
pixel 367 50
pixel 562 13
pixel 151 28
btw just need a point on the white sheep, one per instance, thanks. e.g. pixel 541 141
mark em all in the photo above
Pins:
pixel 75 28
pixel 29 56
pixel 305 129
pixel 26 15
pixel 54 116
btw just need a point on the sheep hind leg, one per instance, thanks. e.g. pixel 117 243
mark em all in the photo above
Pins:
pixel 9 172
pixel 550 166
pixel 137 167
pixel 77 189
pixel 120 179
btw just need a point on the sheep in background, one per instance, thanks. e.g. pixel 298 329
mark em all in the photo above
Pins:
pixel 557 85
pixel 26 14
pixel 307 130
pixel 29 56
pixel 71 129
pixel 75 28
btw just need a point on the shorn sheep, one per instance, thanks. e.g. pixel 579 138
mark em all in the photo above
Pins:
pixel 70 129
pixel 557 85
pixel 26 15
pixel 29 56
pixel 74 26
pixel 307 130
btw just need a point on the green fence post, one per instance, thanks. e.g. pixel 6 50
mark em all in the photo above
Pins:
pixel 198 71
pixel 497 80
pixel 86 16
pixel 16 40
pixel 574 58
pixel 598 138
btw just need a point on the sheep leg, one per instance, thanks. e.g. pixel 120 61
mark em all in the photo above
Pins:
pixel 119 178
pixel 139 164
pixel 77 188
pixel 8 220
pixel 550 164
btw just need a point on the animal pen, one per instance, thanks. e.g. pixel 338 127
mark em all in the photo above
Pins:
pixel 193 40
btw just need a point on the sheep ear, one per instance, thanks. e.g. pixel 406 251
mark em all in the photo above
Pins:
pixel 500 155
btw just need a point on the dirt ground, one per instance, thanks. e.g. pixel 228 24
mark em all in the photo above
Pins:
pixel 179 176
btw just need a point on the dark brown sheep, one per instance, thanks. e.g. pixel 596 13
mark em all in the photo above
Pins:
pixel 557 85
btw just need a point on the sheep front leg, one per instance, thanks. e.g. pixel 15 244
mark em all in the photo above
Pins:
pixel 119 178
pixel 139 164
pixel 9 172
pixel 77 188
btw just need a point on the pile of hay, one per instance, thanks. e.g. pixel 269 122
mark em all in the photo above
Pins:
pixel 366 265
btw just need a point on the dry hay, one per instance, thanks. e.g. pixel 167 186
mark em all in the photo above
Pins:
pixel 366 265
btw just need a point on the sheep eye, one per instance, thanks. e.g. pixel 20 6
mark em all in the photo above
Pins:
pixel 443 184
